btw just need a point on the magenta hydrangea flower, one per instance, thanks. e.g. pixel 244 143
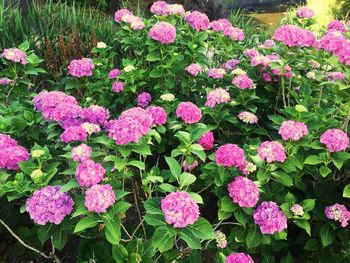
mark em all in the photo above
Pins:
pixel 114 73
pixel 15 55
pixel 96 114
pixel 220 25
pixel 98 198
pixel 188 112
pixel 198 21
pixel 293 130
pixel 81 153
pixel 74 133
pixel 305 12
pixel 239 258
pixel 4 81
pixel 243 192
pixel 194 69
pixel 207 140
pixel 163 32
pixel 89 173
pixel 267 77
pixel 336 25
pixel 335 140
pixel 216 97
pixel 216 73
pixel 118 16
pixel 294 36
pixel 64 111
pixel 231 64
pixel 335 43
pixel 11 156
pixel 272 151
pixel 251 53
pixel 335 76
pixel 159 115
pixel 49 205
pixel 81 67
pixel 229 155
pixel 270 218
pixel 144 99
pixel 243 82
pixel 118 86
pixel 234 33
pixel 6 141
pixel 338 213
pixel 180 210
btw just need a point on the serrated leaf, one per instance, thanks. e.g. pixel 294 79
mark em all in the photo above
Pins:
pixel 87 222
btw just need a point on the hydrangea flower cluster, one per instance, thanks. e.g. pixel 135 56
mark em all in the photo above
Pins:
pixel 248 117
pixel 74 133
pixel 337 26
pixel 220 25
pixel 11 153
pixel 6 141
pixel 243 192
pixel 229 155
pixel 163 9
pixel 335 76
pixel 114 73
pixel 272 151
pixel 338 213
pixel 158 114
pixel 81 67
pixel 335 140
pixel 231 64
pixel 49 205
pixel 247 168
pixel 243 82
pixel 198 21
pixel 305 12
pixel 294 36
pixel 98 198
pixel 144 99
pixel 189 167
pixel 15 55
pixel 131 125
pixel 118 16
pixel 297 210
pixel 135 22
pixel 207 140
pixel 91 128
pixel 188 112
pixel 81 153
pixel 216 73
pixel 118 86
pixel 216 97
pixel 239 258
pixel 293 130
pixel 334 42
pixel 89 173
pixel 194 69
pixel 268 43
pixel 220 239
pixel 163 32
pixel 180 210
pixel 270 218
pixel 96 114
pixel 234 33
pixel 4 81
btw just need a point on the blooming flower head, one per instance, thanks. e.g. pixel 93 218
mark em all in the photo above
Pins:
pixel 194 69
pixel 118 16
pixel 6 141
pixel 81 67
pixel 231 64
pixel 91 128
pixel 74 133
pixel 89 173
pixel 136 23
pixel 118 86
pixel 216 73
pixel 198 21
pixel 159 8
pixel 337 44
pixel 98 198
pixel 293 36
pixel 336 25
pixel 220 239
pixel 189 167
pixel 251 53
pixel 11 156
pixel 129 68
pixel 247 168
pixel 220 25
pixel 114 73
pixel 297 210
pixel 268 43
pixel 293 130
pixel 4 81
pixel 239 258
pixel 335 140
pixel 270 218
pixel 315 64
pixel 96 114
pixel 234 33
pixel 216 97
pixel 188 112
pixel 15 55
pixel 338 213
pixel 243 192
pixel 335 76
pixel 163 32
pixel 243 82
pixel 159 115
pixel 144 99
pixel 176 9
pixel 272 151
pixel 180 210
pixel 167 97
pixel 305 12
pixel 207 140
pixel 229 155
pixel 267 77
pixel 81 153
pixel 49 205
pixel 101 45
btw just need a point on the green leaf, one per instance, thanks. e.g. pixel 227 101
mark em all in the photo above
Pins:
pixel 191 240
pixel 308 204
pixel 324 171
pixel 253 238
pixel 240 216
pixel 120 253
pixel 283 178
pixel 202 229
pixel 304 224
pixel 346 192
pixel 137 164
pixel 227 204
pixel 153 56
pixel 312 160
pixel 87 222
pixel 174 166
pixel 186 179
pixel 24 46
pixel 196 197
pixel 327 235
pixel 44 233
pixel 121 207
pixel 141 149
pixel 163 239
pixel 152 206
pixel 112 229
pixel 155 220
pixel 167 187
pixel 59 239
pixel 70 185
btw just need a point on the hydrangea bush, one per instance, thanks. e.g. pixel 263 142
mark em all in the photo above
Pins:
pixel 194 145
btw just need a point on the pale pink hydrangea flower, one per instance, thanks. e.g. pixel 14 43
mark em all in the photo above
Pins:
pixel 137 23
pixel 81 67
pixel 335 76
pixel 5 81
pixel 220 25
pixel 91 128
pixel 243 82
pixel 243 192
pixel 315 64
pixel 272 151
pixel 198 21
pixel 260 60
pixel 176 9
pixel 247 168
pixel 163 32
pixel 98 198
pixel 297 210
pixel 180 210
pixel 305 12
pixel 207 140
pixel 335 140
pixel 234 33
pixel 15 55
pixel 216 97
pixel 194 69
pixel 89 173
pixel 81 153
pixel 216 73
pixel 293 130
pixel 338 213
pixel 294 36
pixel 118 16
pixel 188 112
pixel 268 43
pixel 114 73
pixel 159 115
pixel 118 86
pixel 74 133
pixel 229 155
pixel 270 218
pixel 239 258
pixel 159 8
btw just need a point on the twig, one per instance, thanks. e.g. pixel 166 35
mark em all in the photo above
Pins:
pixel 126 232
pixel 137 207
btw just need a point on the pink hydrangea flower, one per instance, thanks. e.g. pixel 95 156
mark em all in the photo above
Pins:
pixel 159 115
pixel 216 97
pixel 159 8
pixel 96 114
pixel 136 23
pixel 315 64
pixel 239 258
pixel 144 99
pixel 194 69
pixel 231 64
pixel 189 167
pixel 220 25
pixel 207 140
pixel 270 218
pixel 91 128
pixel 305 12
pixel 81 67
pixel 272 151
pixel 251 53
pixel 49 205
pixel 335 140
pixel 336 25
pixel 175 9
pixel 293 130
pixel 64 111
pixel 98 198
pixel 11 156
pixel 163 32
pixel 118 16
pixel 114 73
pixel 297 210
pixel 234 33
pixel 294 36
pixel 243 82
pixel 89 173
pixel 267 77
pixel 216 73
pixel 247 168
pixel 4 81
pixel 229 155
pixel 243 192
pixel 338 213
pixel 180 210
pixel 6 141
pixel 118 86
pixel 268 43
pixel 335 43
pixel 188 112
pixel 15 55
pixel 81 153
pixel 335 76
pixel 74 133
pixel 198 21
